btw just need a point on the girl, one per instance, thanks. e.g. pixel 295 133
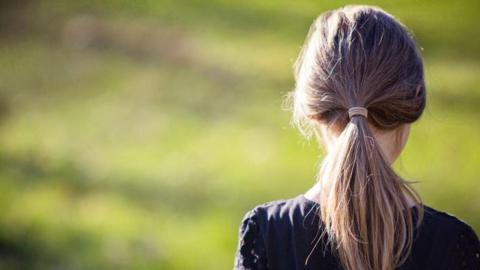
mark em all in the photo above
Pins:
pixel 359 86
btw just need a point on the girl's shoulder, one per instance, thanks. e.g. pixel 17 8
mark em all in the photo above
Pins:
pixel 444 222
pixel 276 217
pixel 452 241
pixel 289 210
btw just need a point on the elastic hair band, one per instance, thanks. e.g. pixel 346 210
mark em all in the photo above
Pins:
pixel 357 111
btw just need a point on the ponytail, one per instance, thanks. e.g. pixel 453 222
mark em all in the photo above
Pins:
pixel 362 203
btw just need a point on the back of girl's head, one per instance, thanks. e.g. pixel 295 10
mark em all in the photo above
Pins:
pixel 361 56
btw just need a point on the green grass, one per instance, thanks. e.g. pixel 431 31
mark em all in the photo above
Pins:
pixel 125 156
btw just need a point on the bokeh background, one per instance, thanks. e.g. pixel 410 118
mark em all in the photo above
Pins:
pixel 136 134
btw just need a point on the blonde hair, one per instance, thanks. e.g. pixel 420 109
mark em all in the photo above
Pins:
pixel 360 55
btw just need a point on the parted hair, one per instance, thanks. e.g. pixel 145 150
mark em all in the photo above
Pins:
pixel 360 55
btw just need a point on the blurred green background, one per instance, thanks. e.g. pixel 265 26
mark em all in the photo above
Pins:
pixel 136 134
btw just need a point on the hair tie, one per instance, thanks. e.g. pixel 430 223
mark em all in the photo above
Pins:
pixel 357 111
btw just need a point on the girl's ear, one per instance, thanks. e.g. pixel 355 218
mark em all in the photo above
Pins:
pixel 319 135
pixel 324 134
pixel 402 136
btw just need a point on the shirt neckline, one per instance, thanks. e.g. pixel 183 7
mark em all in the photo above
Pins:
pixel 302 197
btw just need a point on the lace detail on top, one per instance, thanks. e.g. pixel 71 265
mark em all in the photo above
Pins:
pixel 466 251
pixel 250 253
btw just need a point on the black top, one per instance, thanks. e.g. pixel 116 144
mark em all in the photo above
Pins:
pixel 280 235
